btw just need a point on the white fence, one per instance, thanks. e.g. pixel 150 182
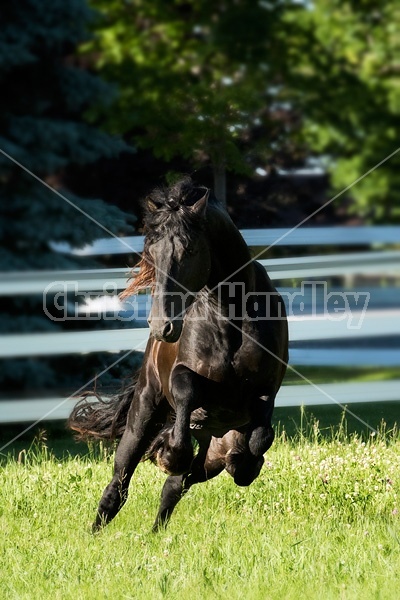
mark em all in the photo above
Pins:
pixel 380 323
pixel 302 236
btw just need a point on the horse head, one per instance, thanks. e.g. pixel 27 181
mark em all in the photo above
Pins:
pixel 177 248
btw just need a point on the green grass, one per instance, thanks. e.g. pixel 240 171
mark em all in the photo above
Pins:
pixel 321 521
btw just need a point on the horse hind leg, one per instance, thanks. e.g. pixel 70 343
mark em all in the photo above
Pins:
pixel 141 426
pixel 208 463
pixel 127 457
pixel 172 492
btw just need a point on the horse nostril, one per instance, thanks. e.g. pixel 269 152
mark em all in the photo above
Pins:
pixel 168 329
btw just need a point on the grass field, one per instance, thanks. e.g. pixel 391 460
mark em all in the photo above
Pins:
pixel 321 521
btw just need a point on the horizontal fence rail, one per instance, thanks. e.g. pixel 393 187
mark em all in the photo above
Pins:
pixel 37 282
pixel 12 411
pixel 307 328
pixel 339 357
pixel 301 236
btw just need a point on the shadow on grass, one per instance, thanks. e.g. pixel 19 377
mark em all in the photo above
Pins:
pixel 53 437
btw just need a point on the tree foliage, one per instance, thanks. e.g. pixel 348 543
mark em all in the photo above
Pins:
pixel 233 83
pixel 195 78
pixel 346 70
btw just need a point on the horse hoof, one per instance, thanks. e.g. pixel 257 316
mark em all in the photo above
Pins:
pixel 174 462
pixel 243 468
pixel 98 525
pixel 96 528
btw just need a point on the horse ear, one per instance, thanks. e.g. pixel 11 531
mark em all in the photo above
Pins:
pixel 200 206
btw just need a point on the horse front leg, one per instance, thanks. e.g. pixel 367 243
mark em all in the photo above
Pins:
pixel 245 456
pixel 175 455
pixel 140 428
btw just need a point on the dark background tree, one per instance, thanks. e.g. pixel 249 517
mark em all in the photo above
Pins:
pixel 45 96
pixel 243 85
pixel 196 79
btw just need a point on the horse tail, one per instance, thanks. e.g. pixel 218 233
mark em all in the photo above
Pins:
pixel 101 419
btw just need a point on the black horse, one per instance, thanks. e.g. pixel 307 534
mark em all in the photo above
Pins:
pixel 214 362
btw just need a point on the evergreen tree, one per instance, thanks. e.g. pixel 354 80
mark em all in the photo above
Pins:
pixel 45 96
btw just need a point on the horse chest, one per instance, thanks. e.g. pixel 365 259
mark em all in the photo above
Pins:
pixel 207 351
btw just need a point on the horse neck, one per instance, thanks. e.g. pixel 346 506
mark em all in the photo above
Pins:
pixel 230 257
